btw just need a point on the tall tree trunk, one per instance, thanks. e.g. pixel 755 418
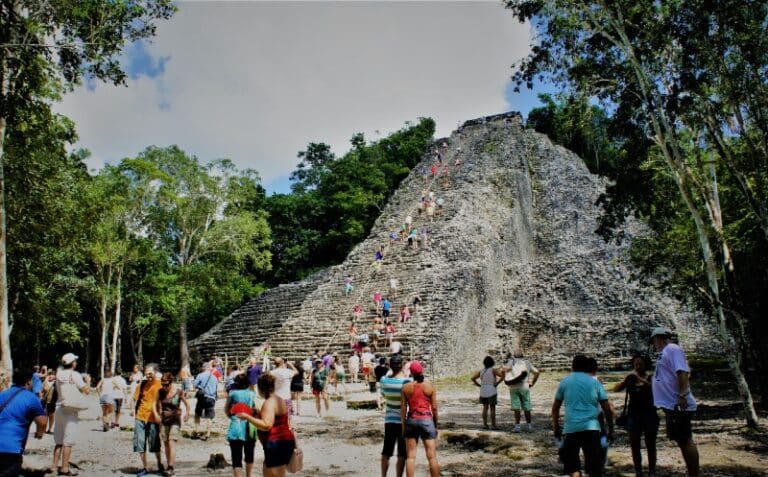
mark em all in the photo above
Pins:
pixel 116 328
pixel 183 343
pixel 103 343
pixel 6 363
pixel 140 351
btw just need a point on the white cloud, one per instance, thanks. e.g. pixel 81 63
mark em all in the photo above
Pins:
pixel 256 82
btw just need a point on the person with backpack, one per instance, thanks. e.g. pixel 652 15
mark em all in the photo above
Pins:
pixel 169 401
pixel 206 386
pixel 146 430
pixel 520 376
pixel 19 408
pixel 488 384
pixel 70 388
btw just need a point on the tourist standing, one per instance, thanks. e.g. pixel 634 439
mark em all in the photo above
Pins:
pixel 297 388
pixel 253 371
pixel 66 431
pixel 520 376
pixel 418 416
pixel 642 419
pixel 354 366
pixel 168 405
pixel 672 393
pixel 119 387
pixel 391 387
pixel 206 386
pixel 134 380
pixel 19 407
pixel 146 430
pixel 49 399
pixel 582 396
pixel 319 379
pixel 488 383
pixel 283 374
pixel 107 393
pixel 185 375
pixel 386 307
pixel 272 426
pixel 241 443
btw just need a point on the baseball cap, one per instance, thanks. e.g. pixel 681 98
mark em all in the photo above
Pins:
pixel 660 331
pixel 69 358
pixel 416 367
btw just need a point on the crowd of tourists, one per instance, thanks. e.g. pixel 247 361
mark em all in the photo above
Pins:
pixel 260 400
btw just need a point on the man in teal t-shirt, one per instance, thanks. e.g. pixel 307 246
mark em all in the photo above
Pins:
pixel 391 387
pixel 583 396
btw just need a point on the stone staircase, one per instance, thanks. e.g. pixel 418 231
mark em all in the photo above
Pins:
pixel 512 261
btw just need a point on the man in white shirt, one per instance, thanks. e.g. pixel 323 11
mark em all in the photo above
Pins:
pixel 283 375
pixel 520 376
pixel 672 393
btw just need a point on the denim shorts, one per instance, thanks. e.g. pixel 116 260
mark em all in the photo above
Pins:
pixel 146 434
pixel 420 429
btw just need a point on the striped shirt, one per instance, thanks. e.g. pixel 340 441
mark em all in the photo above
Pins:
pixel 390 391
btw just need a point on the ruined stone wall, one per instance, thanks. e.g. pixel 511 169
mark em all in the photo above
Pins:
pixel 514 261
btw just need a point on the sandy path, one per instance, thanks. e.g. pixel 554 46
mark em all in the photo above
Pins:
pixel 348 443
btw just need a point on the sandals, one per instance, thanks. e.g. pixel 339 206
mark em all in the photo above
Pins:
pixel 69 472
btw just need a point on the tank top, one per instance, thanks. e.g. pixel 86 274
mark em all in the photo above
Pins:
pixel 640 398
pixel 419 405
pixel 280 431
pixel 487 383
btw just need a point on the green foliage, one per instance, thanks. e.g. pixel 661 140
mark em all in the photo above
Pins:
pixel 687 137
pixel 334 201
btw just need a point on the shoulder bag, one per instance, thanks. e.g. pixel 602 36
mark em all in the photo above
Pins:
pixel 8 401
pixel 72 400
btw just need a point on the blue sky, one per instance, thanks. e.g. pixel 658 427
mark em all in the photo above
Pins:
pixel 256 81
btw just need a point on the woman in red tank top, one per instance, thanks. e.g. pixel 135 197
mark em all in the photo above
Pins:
pixel 418 413
pixel 272 427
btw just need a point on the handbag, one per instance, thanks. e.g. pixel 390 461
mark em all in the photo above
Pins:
pixel 297 458
pixel 623 419
pixel 72 400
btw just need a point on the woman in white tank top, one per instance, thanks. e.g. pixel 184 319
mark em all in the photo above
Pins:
pixel 489 378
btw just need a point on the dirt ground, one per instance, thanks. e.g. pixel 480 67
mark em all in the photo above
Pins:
pixel 348 442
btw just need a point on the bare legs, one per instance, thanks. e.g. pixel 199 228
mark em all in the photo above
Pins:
pixel 399 466
pixel 430 448
pixel 324 395
pixel 691 457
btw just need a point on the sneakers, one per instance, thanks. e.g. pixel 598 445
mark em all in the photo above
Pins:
pixel 169 472
pixel 142 473
pixel 528 427
pixel 516 428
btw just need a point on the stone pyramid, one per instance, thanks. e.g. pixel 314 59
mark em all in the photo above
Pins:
pixel 513 261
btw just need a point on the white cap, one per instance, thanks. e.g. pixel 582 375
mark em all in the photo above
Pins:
pixel 68 358
pixel 660 331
